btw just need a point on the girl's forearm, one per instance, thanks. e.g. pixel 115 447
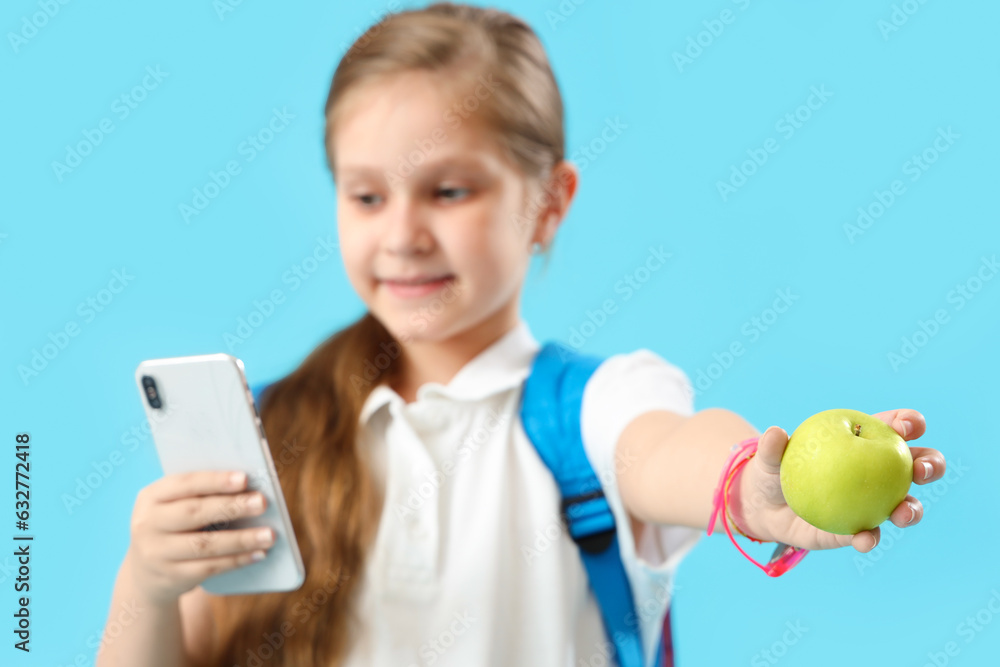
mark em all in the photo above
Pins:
pixel 670 465
pixel 139 632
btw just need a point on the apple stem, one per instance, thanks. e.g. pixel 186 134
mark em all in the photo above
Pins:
pixel 857 429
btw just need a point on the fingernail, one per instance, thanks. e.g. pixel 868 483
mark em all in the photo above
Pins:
pixel 237 479
pixel 264 536
pixel 258 555
pixel 255 502
pixel 913 513
pixel 907 426
pixel 928 470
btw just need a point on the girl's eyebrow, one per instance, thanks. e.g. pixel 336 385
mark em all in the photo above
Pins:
pixel 430 168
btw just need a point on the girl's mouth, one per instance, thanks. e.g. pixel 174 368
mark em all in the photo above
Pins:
pixel 409 289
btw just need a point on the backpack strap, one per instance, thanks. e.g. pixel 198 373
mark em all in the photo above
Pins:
pixel 550 413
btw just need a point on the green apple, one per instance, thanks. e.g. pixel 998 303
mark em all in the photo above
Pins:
pixel 844 471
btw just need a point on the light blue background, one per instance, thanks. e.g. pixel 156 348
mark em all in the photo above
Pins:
pixel 654 185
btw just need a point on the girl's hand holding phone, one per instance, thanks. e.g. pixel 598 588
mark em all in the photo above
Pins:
pixel 196 524
pixel 171 553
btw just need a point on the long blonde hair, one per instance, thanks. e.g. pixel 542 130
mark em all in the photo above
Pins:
pixel 313 413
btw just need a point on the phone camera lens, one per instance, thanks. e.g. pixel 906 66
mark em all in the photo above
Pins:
pixel 152 393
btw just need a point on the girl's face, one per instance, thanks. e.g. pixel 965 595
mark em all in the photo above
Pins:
pixel 429 210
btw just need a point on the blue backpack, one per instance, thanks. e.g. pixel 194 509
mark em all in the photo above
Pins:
pixel 550 414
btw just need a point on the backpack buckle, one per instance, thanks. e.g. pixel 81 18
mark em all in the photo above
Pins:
pixel 589 520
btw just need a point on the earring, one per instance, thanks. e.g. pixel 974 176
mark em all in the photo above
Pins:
pixel 536 248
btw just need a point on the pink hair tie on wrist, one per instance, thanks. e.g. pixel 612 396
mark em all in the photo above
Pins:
pixel 785 557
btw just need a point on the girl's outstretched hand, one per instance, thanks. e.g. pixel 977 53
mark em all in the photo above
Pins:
pixel 762 507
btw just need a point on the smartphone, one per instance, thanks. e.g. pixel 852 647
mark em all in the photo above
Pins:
pixel 202 417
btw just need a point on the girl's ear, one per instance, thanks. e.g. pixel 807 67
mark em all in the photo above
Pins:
pixel 559 189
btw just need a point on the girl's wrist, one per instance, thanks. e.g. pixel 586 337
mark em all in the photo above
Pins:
pixel 745 515
pixel 137 591
pixel 742 495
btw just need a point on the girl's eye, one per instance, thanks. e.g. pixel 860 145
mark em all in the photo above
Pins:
pixel 450 191
pixel 450 194
pixel 365 200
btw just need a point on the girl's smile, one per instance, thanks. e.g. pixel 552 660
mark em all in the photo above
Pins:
pixel 417 286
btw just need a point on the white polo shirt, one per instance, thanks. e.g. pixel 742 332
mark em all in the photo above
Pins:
pixel 471 564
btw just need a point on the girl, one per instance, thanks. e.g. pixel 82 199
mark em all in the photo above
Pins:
pixel 427 521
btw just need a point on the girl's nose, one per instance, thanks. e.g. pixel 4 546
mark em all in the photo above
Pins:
pixel 405 231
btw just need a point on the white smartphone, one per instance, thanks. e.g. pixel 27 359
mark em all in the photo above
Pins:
pixel 202 417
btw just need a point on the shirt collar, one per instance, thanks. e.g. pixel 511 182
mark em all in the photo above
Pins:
pixel 505 363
